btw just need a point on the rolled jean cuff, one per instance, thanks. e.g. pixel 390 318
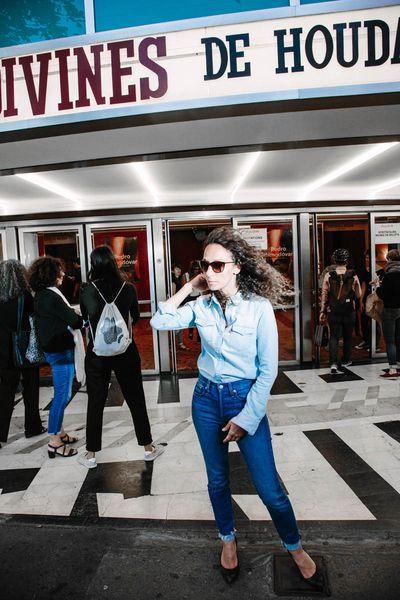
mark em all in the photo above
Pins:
pixel 292 546
pixel 229 537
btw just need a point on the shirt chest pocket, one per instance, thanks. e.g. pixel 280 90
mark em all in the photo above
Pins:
pixel 207 330
pixel 243 333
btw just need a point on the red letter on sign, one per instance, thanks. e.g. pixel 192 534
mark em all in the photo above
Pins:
pixel 37 100
pixel 145 91
pixel 85 73
pixel 118 72
pixel 62 56
pixel 11 110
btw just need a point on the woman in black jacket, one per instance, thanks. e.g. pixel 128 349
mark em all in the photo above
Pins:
pixel 13 290
pixel 108 284
pixel 389 292
pixel 55 321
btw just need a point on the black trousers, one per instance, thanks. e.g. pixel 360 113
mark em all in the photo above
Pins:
pixel 9 380
pixel 127 370
pixel 340 326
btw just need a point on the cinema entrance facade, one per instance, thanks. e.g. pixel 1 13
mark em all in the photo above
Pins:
pixel 284 122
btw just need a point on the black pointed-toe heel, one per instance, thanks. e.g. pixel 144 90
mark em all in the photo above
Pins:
pixel 230 575
pixel 316 580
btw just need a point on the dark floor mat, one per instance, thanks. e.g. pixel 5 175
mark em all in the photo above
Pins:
pixel 346 376
pixel 288 581
pixel 284 385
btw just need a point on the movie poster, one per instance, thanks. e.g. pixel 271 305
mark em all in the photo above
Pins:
pixel 130 250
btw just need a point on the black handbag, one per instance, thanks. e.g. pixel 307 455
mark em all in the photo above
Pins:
pixel 20 338
pixel 321 337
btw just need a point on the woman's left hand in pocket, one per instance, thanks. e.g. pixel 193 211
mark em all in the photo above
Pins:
pixel 235 432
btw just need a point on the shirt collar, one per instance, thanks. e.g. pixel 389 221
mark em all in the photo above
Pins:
pixel 235 299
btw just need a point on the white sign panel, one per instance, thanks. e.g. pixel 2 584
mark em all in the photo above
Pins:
pixel 387 233
pixel 255 237
pixel 246 62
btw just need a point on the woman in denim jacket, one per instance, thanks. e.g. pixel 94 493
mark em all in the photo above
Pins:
pixel 237 367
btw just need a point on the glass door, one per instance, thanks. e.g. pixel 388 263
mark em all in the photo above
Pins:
pixel 131 243
pixel 64 242
pixel 184 247
pixel 277 239
pixel 349 231
pixel 385 236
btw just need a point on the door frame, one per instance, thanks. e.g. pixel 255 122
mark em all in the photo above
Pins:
pixel 54 228
pixel 92 227
pixel 168 269
pixel 296 257
pixel 3 240
pixel 337 215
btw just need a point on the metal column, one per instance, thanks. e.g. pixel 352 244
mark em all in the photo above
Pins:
pixel 161 291
pixel 306 286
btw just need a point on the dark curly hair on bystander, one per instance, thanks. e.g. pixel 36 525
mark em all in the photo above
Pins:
pixel 44 272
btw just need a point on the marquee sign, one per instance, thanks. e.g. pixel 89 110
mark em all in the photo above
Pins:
pixel 276 59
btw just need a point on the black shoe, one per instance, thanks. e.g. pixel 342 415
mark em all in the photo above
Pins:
pixel 29 435
pixel 317 580
pixel 230 575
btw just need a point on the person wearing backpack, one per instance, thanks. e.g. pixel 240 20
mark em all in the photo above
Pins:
pixel 340 288
pixel 110 306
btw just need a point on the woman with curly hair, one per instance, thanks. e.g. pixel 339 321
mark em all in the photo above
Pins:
pixel 14 291
pixel 56 322
pixel 237 367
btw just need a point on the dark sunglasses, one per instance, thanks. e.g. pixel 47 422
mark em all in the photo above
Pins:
pixel 217 265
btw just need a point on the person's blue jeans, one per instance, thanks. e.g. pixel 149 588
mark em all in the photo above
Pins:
pixel 391 333
pixel 213 406
pixel 63 369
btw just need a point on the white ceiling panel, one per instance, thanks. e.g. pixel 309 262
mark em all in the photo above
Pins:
pixel 275 176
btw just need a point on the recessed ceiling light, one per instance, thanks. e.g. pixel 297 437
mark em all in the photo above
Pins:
pixel 244 172
pixel 48 185
pixel 359 160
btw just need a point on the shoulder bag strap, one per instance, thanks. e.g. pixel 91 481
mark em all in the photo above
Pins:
pixel 95 286
pixel 119 292
pixel 20 312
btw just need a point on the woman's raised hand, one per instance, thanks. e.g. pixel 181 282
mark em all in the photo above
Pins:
pixel 199 283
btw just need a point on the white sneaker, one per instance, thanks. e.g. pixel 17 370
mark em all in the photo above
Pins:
pixel 335 370
pixel 89 463
pixel 347 364
pixel 158 449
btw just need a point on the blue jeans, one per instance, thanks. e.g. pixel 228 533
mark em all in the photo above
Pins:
pixel 391 333
pixel 213 406
pixel 63 369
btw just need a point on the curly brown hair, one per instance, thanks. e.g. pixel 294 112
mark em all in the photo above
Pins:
pixel 44 272
pixel 256 276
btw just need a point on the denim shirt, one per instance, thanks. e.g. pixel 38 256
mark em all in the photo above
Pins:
pixel 243 344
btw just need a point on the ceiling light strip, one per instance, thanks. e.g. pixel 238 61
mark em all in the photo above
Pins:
pixel 244 172
pixel 359 160
pixel 48 185
pixel 143 175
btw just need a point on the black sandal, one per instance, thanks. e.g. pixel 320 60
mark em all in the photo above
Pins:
pixel 69 440
pixel 53 453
